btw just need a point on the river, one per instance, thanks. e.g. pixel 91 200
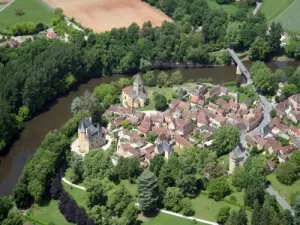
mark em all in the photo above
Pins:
pixel 13 161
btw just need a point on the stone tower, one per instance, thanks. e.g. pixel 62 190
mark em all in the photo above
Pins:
pixel 138 86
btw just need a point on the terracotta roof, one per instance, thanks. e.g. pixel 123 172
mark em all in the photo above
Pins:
pixel 157 118
pixel 182 141
pixel 184 105
pixel 159 130
pixel 174 103
pixel 128 90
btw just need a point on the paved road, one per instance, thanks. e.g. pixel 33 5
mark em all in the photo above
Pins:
pixel 258 5
pixel 280 200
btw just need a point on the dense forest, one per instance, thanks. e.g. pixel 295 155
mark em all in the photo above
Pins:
pixel 40 70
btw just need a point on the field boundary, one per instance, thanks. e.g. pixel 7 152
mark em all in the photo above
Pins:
pixel 281 11
pixel 46 4
pixel 6 5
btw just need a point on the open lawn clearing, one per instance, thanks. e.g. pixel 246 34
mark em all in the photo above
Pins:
pixel 165 219
pixel 80 196
pixel 166 91
pixel 105 15
pixel 207 208
pixel 289 18
pixel 34 11
pixel 229 8
pixel 48 213
pixel 130 187
pixel 283 190
pixel 272 8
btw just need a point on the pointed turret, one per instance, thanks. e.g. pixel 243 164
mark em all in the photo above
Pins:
pixel 138 80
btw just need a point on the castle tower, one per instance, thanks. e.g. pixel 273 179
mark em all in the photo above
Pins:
pixel 138 86
pixel 81 135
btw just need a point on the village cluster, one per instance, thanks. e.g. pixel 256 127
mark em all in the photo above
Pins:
pixel 192 122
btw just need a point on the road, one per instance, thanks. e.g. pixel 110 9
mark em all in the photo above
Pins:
pixel 280 200
pixel 258 5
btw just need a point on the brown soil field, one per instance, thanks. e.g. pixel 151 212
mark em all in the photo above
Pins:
pixel 103 15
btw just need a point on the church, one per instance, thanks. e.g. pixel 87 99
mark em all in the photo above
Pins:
pixel 135 96
pixel 89 136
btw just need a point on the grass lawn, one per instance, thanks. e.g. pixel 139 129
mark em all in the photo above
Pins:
pixel 224 160
pixel 206 208
pixel 229 8
pixel 47 214
pixel 79 195
pixel 165 219
pixel 289 18
pixel 284 190
pixel 130 187
pixel 272 8
pixel 34 11
pixel 166 91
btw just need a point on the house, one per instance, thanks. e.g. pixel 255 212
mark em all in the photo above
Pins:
pixel 253 120
pixel 183 106
pixel 117 122
pixel 183 127
pixel 198 91
pixel 195 99
pixel 157 119
pixel 135 96
pixel 295 101
pixel 174 103
pixel 89 136
pixel 181 142
pixel 145 126
pixel 237 157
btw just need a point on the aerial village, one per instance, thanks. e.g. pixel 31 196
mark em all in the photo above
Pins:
pixel 192 121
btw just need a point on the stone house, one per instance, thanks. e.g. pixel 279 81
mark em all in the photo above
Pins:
pixel 90 136
pixel 135 96
pixel 236 158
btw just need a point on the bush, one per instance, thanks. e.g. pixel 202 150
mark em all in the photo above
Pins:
pixel 23 28
pixel 223 214
pixel 218 188
pixel 187 207
pixel 287 173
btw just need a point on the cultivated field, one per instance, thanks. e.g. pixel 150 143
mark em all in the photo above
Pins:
pixel 272 8
pixel 290 17
pixel 34 11
pixel 103 15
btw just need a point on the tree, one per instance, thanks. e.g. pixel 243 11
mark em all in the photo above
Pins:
pixel 223 214
pixel 147 188
pixel 118 200
pixel 134 168
pixel 295 158
pixel 296 208
pixel 188 185
pixel 96 194
pixel 218 188
pixel 173 198
pixel 130 214
pixel 239 178
pixel 273 113
pixel 274 36
pixel 160 102
pixel 226 139
pixel 177 77
pixel 149 79
pixel 156 164
pixel 13 218
pixel 287 173
pixel 289 89
pixel 151 136
pixel 23 113
pixel 108 100
pixel 76 168
pixel 126 124
pixel 105 89
pixel 6 204
pixel 259 49
pixel 163 79
pixel 21 196
pixel 255 190
pixel 56 188
pixel 256 214
pixel 237 218
pixel 187 207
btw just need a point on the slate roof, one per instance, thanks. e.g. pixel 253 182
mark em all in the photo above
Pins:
pixel 237 153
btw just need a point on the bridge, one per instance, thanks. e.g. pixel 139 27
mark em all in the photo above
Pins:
pixel 241 68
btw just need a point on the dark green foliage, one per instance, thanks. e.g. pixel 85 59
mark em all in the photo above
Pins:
pixel 296 207
pixel 237 218
pixel 239 178
pixel 96 193
pixel 147 188
pixel 287 173
pixel 21 195
pixel 226 140
pixel 76 165
pixel 156 164
pixel 172 199
pixel 13 218
pixel 188 185
pixel 218 188
pixel 56 188
pixel 128 168
pixel 161 102
pixel 223 214
pixel 97 164
pixel 6 203
pixel 187 207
